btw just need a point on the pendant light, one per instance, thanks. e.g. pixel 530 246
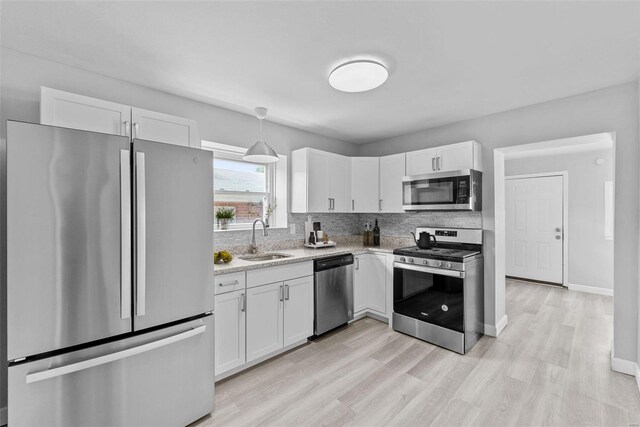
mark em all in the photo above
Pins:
pixel 261 152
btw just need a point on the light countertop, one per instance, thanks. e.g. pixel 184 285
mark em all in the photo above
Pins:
pixel 298 255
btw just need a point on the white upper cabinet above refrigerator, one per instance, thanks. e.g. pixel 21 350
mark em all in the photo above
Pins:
pixel 364 184
pixel 463 155
pixel 65 109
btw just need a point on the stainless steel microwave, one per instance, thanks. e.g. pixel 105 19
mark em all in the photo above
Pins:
pixel 443 191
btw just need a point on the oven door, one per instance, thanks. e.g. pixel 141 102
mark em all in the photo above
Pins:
pixel 428 294
pixel 442 191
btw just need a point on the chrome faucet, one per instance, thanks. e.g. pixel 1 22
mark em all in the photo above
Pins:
pixel 253 248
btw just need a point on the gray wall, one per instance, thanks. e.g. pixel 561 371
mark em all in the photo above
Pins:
pixel 590 255
pixel 610 109
pixel 21 76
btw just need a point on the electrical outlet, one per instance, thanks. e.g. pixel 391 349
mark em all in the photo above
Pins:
pixel 292 229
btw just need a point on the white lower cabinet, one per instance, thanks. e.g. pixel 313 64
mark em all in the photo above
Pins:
pixel 264 320
pixel 230 311
pixel 278 315
pixel 298 310
pixel 370 283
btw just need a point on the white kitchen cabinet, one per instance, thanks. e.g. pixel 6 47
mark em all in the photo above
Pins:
pixel 392 170
pixel 421 161
pixel 340 175
pixel 69 110
pixel 364 184
pixel 161 127
pixel 359 287
pixel 264 320
pixel 370 284
pixel 65 109
pixel 463 155
pixel 230 312
pixel 320 181
pixel 298 309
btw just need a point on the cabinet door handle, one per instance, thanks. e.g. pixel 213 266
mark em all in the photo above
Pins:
pixel 127 128
pixel 333 203
pixel 243 302
pixel 357 263
pixel 433 163
pixel 438 163
pixel 353 205
pixel 281 293
pixel 329 203
pixel 286 292
pixel 136 128
pixel 380 205
pixel 231 283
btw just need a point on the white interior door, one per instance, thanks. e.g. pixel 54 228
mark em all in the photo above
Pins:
pixel 534 228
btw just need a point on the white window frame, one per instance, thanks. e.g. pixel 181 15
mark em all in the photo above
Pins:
pixel 276 185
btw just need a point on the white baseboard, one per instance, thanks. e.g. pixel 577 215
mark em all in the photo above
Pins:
pixel 623 366
pixel 495 330
pixel 590 289
pixel 3 416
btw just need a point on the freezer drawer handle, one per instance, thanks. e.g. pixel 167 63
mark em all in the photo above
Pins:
pixel 125 235
pixel 141 235
pixel 118 355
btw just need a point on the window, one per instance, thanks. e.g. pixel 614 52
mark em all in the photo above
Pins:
pixel 244 191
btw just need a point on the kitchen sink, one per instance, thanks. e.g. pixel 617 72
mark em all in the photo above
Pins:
pixel 264 257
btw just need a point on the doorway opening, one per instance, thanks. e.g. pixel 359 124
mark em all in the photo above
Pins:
pixel 587 224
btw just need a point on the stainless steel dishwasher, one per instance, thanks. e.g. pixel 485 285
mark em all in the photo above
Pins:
pixel 333 291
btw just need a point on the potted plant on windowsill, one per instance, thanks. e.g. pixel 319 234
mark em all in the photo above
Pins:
pixel 224 215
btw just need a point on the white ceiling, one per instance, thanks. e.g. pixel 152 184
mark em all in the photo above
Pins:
pixel 448 61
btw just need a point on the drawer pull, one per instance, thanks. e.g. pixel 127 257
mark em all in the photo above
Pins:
pixel 231 283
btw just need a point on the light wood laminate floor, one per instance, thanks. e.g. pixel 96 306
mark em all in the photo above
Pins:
pixel 550 366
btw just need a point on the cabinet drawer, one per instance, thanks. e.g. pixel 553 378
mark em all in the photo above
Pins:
pixel 281 273
pixel 229 282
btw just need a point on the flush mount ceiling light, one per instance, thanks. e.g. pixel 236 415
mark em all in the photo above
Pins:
pixel 261 152
pixel 358 76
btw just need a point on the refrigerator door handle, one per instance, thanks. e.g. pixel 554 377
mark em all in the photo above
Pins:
pixel 125 235
pixel 141 249
pixel 118 355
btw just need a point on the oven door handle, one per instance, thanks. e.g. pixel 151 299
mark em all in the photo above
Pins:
pixel 423 269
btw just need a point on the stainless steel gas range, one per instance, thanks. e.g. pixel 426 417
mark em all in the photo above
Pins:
pixel 438 292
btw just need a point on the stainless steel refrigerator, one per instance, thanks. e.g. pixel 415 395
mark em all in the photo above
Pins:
pixel 109 280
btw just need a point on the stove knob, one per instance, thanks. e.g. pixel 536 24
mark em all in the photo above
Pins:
pixel 449 265
pixel 439 264
pixel 402 259
pixel 410 260
pixel 425 262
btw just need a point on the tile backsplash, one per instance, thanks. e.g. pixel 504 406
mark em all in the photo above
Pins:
pixel 401 224
pixel 346 224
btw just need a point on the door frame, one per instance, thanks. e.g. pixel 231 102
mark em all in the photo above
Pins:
pixel 565 214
